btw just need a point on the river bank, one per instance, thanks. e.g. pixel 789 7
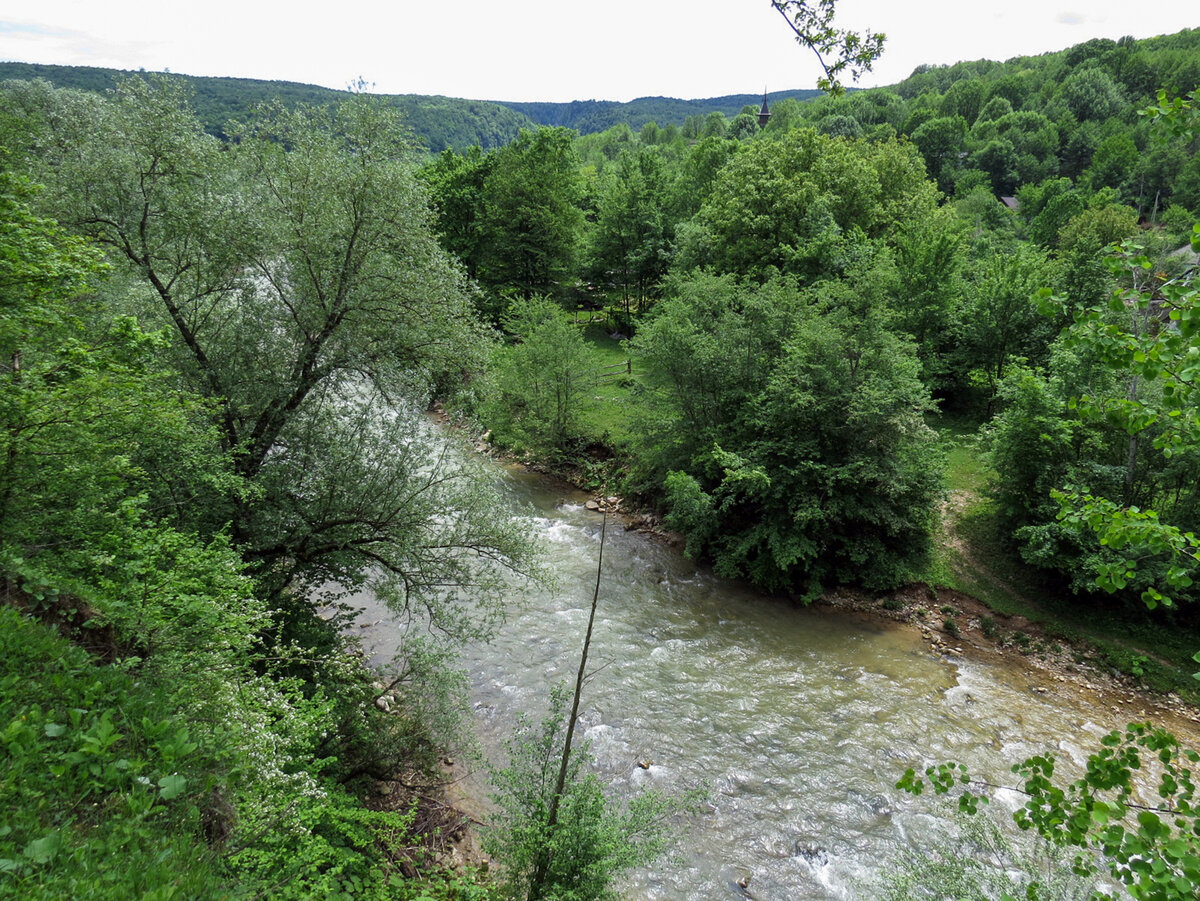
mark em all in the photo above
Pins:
pixel 952 623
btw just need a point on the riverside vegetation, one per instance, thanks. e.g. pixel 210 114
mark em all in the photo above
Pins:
pixel 217 352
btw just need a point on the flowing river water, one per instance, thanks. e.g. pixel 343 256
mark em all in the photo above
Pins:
pixel 798 720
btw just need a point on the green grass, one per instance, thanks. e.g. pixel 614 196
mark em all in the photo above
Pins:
pixel 965 466
pixel 608 422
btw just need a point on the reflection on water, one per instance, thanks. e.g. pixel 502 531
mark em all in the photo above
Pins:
pixel 799 721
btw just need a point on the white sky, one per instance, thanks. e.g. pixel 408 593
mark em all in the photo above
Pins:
pixel 554 50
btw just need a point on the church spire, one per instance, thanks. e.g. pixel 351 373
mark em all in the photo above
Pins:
pixel 764 113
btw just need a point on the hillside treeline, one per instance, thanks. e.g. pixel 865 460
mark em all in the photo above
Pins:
pixel 437 122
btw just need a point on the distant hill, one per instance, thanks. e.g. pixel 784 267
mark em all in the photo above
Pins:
pixel 588 116
pixel 439 122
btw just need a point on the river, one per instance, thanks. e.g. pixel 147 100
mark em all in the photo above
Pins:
pixel 798 720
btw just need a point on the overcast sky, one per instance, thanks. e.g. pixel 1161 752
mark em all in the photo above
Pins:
pixel 555 50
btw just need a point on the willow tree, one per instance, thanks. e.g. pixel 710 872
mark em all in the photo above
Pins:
pixel 309 302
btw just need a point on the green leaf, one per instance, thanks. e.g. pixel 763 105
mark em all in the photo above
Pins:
pixel 172 786
pixel 42 850
pixel 1176 849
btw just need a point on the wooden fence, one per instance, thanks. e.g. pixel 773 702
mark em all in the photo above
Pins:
pixel 615 371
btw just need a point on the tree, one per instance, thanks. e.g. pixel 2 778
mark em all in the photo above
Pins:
pixel 744 126
pixel 1090 434
pixel 928 292
pixel 994 109
pixel 1048 207
pixel 1145 336
pixel 631 240
pixel 456 193
pixel 589 841
pixel 715 126
pixel 1114 163
pixel 1083 244
pixel 1092 95
pixel 543 382
pixel 941 142
pixel 531 219
pixel 557 833
pixel 1017 148
pixel 761 400
pixel 698 173
pixel 307 297
pixel 1000 320
pixel 92 430
pixel 965 98
pixel 176 739
pixel 803 202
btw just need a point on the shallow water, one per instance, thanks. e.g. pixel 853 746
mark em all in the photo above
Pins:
pixel 799 721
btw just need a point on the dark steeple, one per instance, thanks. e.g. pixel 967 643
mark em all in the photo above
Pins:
pixel 764 113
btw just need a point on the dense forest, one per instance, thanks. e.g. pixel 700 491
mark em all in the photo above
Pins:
pixel 858 262
pixel 223 320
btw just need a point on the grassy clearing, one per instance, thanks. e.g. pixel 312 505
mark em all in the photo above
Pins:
pixel 608 422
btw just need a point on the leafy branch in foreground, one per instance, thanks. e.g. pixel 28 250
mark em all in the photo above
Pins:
pixel 976 857
pixel 813 25
pixel 1150 847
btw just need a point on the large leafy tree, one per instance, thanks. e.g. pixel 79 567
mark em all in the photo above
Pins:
pixel 1138 495
pixel 942 142
pixel 929 291
pixel 802 203
pixel 999 320
pixel 789 433
pixel 456 191
pixel 309 301
pixel 170 743
pixel 531 217
pixel 1127 507
pixel 631 241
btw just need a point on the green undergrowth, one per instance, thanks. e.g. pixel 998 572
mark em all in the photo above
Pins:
pixel 115 784
pixel 98 769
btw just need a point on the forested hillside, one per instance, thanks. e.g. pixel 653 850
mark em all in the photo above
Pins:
pixel 438 122
pixel 222 323
pixel 588 116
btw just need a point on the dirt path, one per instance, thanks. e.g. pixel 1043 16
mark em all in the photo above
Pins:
pixel 955 624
